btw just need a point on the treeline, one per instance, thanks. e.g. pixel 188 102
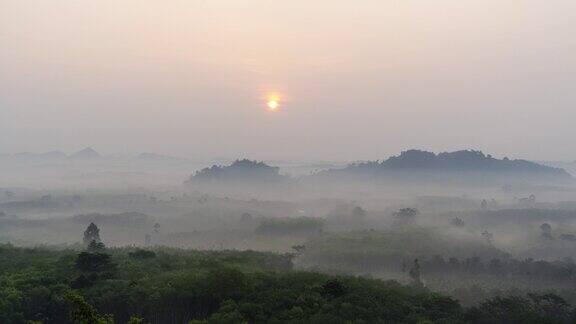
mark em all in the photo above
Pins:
pixel 184 286
pixel 371 250
pixel 564 270
pixel 375 251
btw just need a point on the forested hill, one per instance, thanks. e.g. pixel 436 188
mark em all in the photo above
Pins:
pixel 409 167
pixel 240 171
pixel 461 162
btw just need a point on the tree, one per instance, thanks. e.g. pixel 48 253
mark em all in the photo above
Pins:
pixel 94 262
pixel 96 246
pixel 489 237
pixel 484 204
pixel 547 308
pixel 406 215
pixel 135 320
pixel 299 249
pixel 415 273
pixel 552 307
pixel 84 313
pixel 142 254
pixel 546 231
pixel 457 222
pixel 228 313
pixel 334 288
pixel 225 283
pixel 92 233
pixel 11 304
pixel 358 212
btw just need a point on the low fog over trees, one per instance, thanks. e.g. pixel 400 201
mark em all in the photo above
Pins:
pixel 447 237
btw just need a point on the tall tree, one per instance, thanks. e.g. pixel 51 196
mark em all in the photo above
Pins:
pixel 92 233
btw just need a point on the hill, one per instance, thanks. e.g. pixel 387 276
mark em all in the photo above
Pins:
pixel 423 165
pixel 240 171
pixel 86 154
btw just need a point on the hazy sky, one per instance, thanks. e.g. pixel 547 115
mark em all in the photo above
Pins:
pixel 357 79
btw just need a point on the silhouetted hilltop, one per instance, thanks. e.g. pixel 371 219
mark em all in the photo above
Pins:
pixel 417 163
pixel 85 154
pixel 246 171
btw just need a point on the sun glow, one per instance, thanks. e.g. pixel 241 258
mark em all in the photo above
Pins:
pixel 273 102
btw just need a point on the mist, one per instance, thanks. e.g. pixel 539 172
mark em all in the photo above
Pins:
pixel 270 162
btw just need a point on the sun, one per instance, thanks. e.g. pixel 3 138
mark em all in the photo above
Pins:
pixel 273 101
pixel 273 104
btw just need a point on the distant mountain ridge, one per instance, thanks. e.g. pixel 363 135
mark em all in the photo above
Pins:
pixel 409 167
pixel 464 161
pixel 89 153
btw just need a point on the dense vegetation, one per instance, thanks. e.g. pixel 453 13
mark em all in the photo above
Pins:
pixel 471 270
pixel 177 286
pixel 371 250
